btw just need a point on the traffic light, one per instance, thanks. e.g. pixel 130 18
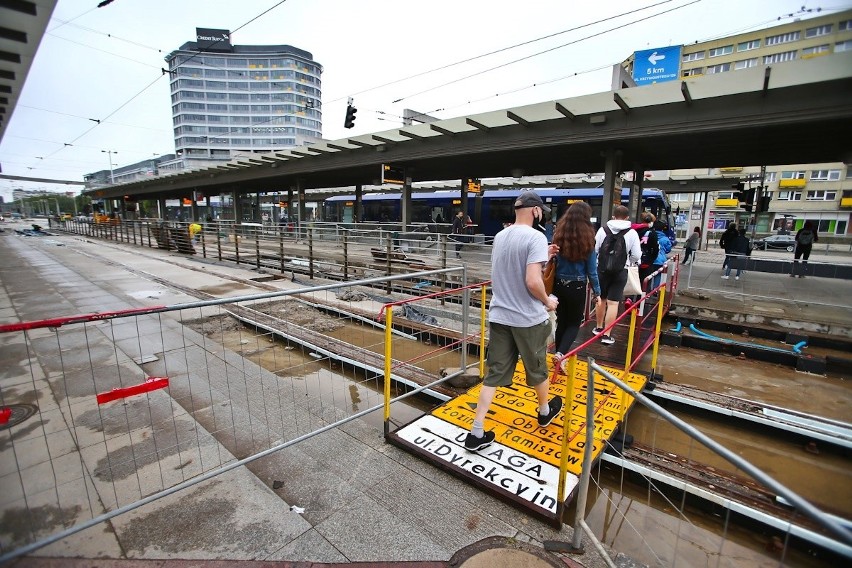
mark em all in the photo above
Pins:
pixel 738 191
pixel 763 200
pixel 349 122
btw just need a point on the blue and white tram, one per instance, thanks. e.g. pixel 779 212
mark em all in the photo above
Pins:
pixel 489 210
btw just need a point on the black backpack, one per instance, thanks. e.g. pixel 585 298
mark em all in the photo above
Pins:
pixel 806 237
pixel 612 256
pixel 650 247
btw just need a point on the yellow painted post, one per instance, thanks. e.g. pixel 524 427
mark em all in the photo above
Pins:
pixel 627 357
pixel 659 324
pixel 630 337
pixel 566 432
pixel 388 355
pixel 482 324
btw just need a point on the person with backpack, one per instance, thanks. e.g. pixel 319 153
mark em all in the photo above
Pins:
pixel 805 239
pixel 649 245
pixel 617 245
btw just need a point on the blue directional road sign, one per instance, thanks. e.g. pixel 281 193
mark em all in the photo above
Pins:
pixel 656 65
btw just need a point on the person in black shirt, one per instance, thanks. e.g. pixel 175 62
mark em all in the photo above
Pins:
pixel 459 232
pixel 727 240
pixel 739 247
pixel 805 239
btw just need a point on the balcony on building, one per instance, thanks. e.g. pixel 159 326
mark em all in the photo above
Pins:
pixel 727 202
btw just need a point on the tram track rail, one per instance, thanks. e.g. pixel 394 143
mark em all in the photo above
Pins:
pixel 736 494
pixel 700 480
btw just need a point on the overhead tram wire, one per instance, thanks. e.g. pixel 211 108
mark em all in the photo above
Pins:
pixel 199 52
pixel 87 118
pixel 484 71
pixel 502 49
pixel 504 93
pixel 519 89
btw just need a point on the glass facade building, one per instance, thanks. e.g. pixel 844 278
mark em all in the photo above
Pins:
pixel 234 100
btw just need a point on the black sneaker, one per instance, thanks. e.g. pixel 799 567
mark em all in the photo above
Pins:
pixel 473 443
pixel 598 330
pixel 555 405
pixel 607 340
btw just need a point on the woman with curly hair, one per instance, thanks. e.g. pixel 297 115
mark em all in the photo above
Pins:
pixel 577 264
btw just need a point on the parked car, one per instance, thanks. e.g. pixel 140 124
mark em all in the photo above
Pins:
pixel 787 242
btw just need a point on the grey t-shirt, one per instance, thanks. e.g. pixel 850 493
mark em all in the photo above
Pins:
pixel 512 304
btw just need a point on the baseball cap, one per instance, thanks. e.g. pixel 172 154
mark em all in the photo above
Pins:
pixel 530 199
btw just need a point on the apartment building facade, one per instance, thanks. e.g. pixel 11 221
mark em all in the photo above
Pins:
pixel 788 195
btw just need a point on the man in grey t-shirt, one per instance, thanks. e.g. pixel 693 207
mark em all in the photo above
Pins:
pixel 518 322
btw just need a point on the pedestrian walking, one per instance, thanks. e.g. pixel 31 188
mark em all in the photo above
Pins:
pixel 617 246
pixel 726 241
pixel 194 230
pixel 518 322
pixel 692 244
pixel 805 239
pixel 576 267
pixel 458 230
pixel 664 248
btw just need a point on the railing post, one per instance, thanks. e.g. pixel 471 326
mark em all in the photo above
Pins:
pixel 442 250
pixel 659 323
pixel 628 359
pixel 257 247
pixel 280 250
pixel 566 435
pixel 388 355
pixel 310 230
pixel 631 334
pixel 236 244
pixel 345 256
pixel 388 251
pixel 587 457
pixel 218 229
pixel 483 316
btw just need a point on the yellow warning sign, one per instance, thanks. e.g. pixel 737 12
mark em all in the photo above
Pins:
pixel 513 415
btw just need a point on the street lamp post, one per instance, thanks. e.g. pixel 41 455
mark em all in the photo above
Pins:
pixel 111 176
pixel 109 153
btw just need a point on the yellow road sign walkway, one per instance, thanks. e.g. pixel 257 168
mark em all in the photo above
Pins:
pixel 523 462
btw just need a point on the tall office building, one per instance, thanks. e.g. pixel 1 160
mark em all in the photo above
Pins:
pixel 232 100
pixel 788 195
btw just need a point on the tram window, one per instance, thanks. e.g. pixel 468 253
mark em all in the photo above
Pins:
pixel 421 212
pixel 380 211
pixel 501 209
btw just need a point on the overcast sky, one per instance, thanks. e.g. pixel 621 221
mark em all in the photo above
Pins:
pixel 105 63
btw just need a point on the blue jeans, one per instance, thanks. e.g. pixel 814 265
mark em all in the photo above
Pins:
pixel 732 258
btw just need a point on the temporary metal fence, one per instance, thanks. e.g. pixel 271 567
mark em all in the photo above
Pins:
pixel 270 245
pixel 111 411
pixel 829 284
pixel 662 551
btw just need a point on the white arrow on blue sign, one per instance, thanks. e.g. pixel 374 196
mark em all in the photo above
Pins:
pixel 656 65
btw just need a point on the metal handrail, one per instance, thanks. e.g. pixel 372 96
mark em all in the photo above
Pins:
pixel 815 514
